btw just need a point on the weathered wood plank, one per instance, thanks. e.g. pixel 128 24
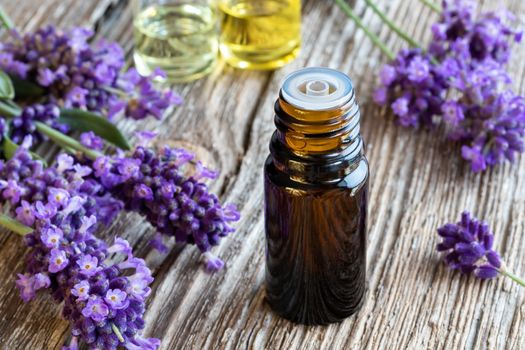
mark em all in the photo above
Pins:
pixel 417 183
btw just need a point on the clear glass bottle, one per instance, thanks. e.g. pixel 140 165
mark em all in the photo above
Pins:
pixel 178 36
pixel 316 183
pixel 260 34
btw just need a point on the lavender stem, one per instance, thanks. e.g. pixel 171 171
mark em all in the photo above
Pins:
pixel 432 5
pixel 59 138
pixel 512 276
pixel 5 19
pixel 375 39
pixel 117 332
pixel 392 25
pixel 65 141
pixel 8 110
pixel 14 225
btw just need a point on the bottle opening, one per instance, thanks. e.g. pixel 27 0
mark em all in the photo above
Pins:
pixel 317 89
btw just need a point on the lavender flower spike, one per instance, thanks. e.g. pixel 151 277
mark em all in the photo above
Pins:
pixel 468 247
pixel 157 185
pixel 103 301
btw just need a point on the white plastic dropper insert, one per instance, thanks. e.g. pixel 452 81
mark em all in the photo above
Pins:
pixel 317 89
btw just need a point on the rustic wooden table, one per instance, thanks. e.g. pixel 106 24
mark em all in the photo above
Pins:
pixel 417 183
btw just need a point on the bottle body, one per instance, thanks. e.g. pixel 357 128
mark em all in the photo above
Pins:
pixel 316 247
pixel 316 188
pixel 260 34
pixel 178 36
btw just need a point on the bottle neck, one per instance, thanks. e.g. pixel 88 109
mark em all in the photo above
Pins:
pixel 316 146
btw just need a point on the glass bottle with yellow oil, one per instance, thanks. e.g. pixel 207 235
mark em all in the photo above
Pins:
pixel 316 184
pixel 260 34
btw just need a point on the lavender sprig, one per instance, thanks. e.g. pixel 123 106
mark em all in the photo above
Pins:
pixel 177 205
pixel 461 81
pixel 102 300
pixel 413 87
pixel 468 248
pixel 77 74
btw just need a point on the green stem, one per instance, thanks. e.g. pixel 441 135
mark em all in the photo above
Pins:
pixel 66 141
pixel 512 276
pixel 5 20
pixel 14 225
pixel 10 111
pixel 432 5
pixel 375 39
pixel 392 25
pixel 117 332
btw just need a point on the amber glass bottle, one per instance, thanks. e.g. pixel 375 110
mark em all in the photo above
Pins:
pixel 316 181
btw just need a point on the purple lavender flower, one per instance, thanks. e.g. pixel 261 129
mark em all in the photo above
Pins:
pixel 45 211
pixel 25 214
pixel 489 121
pixel 143 98
pixel 92 141
pixel 212 262
pixel 57 260
pixel 468 247
pixel 70 262
pixel 41 281
pixel 24 124
pixel 120 246
pixel 486 36
pixel 452 112
pixel 12 191
pixel 157 242
pixel 26 287
pixel 413 87
pixel 77 74
pixel 64 162
pixel 81 290
pixel 462 81
pixel 88 265
pixel 51 236
pixel 117 299
pixel 96 309
pixel 176 205
pixel 58 196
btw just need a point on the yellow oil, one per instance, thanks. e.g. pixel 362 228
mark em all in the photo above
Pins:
pixel 260 34
pixel 180 39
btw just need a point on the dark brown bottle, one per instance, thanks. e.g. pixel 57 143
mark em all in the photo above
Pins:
pixel 316 181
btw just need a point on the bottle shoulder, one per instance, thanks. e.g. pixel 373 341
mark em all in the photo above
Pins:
pixel 356 177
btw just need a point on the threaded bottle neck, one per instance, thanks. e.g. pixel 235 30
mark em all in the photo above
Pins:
pixel 317 119
pixel 310 133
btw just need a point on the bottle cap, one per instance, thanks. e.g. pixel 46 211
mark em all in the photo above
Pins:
pixel 317 89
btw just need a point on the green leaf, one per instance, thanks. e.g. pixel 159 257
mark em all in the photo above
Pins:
pixel 10 148
pixel 24 88
pixel 7 91
pixel 86 121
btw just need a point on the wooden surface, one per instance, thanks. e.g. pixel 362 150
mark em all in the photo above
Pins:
pixel 417 183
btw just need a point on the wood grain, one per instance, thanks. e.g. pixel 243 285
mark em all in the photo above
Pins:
pixel 417 183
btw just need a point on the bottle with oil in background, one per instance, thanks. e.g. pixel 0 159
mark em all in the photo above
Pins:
pixel 316 184
pixel 260 34
pixel 178 36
